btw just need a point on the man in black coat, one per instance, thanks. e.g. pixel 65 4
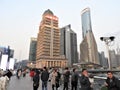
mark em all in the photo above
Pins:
pixel 44 78
pixel 112 82
pixel 36 79
pixel 66 76
pixel 84 81
pixel 74 79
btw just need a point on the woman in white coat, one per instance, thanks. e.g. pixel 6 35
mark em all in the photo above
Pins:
pixel 53 78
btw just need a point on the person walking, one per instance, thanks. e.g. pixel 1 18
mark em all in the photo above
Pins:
pixel 66 76
pixel 36 79
pixel 74 79
pixel 44 78
pixel 53 78
pixel 112 82
pixel 24 72
pixel 84 80
pixel 57 80
pixel 19 72
pixel 31 74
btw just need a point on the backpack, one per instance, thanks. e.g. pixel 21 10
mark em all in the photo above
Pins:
pixel 73 77
pixel 58 76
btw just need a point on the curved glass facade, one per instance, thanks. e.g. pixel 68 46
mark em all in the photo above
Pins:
pixel 88 47
pixel 86 21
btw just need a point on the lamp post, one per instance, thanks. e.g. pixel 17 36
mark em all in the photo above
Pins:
pixel 108 41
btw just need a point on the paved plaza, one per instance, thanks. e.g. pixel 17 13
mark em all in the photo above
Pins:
pixel 24 83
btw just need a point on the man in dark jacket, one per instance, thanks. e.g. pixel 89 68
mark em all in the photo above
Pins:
pixel 74 79
pixel 57 79
pixel 66 76
pixel 44 78
pixel 36 80
pixel 112 82
pixel 84 81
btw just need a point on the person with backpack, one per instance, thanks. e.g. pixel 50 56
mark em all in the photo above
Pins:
pixel 74 79
pixel 44 78
pixel 36 80
pixel 32 74
pixel 57 80
pixel 66 77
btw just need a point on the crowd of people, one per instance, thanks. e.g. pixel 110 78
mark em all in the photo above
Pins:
pixel 21 72
pixel 69 79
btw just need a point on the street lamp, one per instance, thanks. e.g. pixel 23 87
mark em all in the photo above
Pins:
pixel 108 41
pixel 31 65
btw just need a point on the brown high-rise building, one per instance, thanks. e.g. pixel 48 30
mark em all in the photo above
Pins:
pixel 48 42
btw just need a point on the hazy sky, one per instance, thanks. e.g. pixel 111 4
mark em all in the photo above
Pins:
pixel 20 19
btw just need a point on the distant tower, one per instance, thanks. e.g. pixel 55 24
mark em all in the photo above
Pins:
pixel 48 42
pixel 32 50
pixel 113 58
pixel 118 55
pixel 103 61
pixel 88 47
pixel 118 50
pixel 68 44
pixel 86 22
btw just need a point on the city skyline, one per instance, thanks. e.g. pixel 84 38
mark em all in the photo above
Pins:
pixel 19 21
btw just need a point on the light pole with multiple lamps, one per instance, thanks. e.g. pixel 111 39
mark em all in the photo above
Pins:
pixel 108 41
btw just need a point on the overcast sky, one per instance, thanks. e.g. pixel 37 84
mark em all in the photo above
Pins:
pixel 20 19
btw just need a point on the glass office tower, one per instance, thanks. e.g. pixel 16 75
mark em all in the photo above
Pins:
pixel 88 47
pixel 32 51
pixel 86 21
pixel 68 44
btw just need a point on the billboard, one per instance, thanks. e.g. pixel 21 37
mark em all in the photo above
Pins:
pixel 4 62
pixel 7 50
pixel 11 63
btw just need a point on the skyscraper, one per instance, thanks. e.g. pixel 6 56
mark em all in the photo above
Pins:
pixel 32 51
pixel 118 55
pixel 113 58
pixel 118 59
pixel 88 47
pixel 103 60
pixel 68 44
pixel 86 22
pixel 48 42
